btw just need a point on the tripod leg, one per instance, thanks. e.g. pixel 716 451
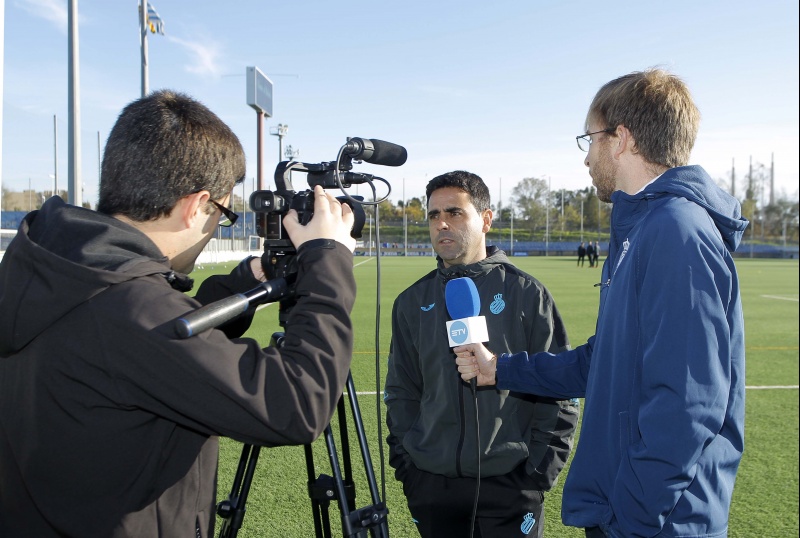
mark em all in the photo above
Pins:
pixel 319 493
pixel 325 488
pixel 233 509
pixel 381 530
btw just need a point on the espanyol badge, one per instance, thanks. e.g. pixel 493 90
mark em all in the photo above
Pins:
pixel 527 523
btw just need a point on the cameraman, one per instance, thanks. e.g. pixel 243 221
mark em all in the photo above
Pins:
pixel 108 421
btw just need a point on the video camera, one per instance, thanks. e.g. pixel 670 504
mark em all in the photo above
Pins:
pixel 270 206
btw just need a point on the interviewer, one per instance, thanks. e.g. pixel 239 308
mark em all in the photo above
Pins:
pixel 663 426
pixel 108 421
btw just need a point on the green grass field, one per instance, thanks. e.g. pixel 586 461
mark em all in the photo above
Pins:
pixel 765 502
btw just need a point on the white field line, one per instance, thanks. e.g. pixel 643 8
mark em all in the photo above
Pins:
pixel 778 297
pixel 764 387
pixel 769 387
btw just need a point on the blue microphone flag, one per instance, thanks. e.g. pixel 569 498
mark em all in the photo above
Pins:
pixel 464 306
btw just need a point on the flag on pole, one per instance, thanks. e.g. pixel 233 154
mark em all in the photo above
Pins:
pixel 154 20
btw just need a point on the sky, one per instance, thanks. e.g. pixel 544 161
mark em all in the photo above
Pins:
pixel 497 88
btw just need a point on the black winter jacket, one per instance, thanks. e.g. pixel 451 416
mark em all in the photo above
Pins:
pixel 430 411
pixel 108 420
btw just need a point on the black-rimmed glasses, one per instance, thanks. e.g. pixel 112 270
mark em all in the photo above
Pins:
pixel 585 141
pixel 228 217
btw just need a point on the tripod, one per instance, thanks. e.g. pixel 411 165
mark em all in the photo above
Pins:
pixel 322 489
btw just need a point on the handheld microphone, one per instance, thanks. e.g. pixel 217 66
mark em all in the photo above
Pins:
pixel 464 305
pixel 376 151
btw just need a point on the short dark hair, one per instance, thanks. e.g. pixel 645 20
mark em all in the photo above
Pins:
pixel 657 109
pixel 163 147
pixel 467 182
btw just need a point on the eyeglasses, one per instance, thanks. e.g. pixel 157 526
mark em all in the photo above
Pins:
pixel 585 141
pixel 228 217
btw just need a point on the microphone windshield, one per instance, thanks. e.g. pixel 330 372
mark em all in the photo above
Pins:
pixel 388 154
pixel 376 151
pixel 461 298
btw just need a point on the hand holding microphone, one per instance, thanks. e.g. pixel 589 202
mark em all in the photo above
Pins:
pixel 476 363
pixel 467 326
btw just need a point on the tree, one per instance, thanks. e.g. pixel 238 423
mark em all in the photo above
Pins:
pixel 389 212
pixel 416 211
pixel 530 197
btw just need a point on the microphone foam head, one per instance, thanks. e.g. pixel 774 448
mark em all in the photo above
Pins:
pixel 461 298
pixel 388 154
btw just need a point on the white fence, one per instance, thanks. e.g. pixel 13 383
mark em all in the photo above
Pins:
pixel 226 250
pixel 216 251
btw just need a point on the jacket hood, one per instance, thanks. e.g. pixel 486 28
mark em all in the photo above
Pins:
pixel 61 257
pixel 694 184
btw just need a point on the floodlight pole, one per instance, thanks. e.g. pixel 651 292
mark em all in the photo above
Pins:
pixel 547 222
pixel 74 143
pixel 259 149
pixel 280 131
pixel 512 226
pixel 55 155
pixel 259 97
pixel 143 40
pixel 581 218
pixel 405 221
pixel 2 62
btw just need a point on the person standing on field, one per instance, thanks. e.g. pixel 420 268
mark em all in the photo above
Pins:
pixel 664 375
pixel 524 440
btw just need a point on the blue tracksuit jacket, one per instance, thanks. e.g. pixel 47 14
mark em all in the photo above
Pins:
pixel 663 377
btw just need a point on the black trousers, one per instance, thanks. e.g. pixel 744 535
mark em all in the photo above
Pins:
pixel 594 532
pixel 509 505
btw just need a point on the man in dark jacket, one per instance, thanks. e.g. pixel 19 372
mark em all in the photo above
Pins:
pixel 524 440
pixel 581 254
pixel 108 421
pixel 663 376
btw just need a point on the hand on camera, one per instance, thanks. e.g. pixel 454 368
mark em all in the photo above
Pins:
pixel 332 220
pixel 474 360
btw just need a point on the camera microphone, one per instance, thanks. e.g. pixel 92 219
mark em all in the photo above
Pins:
pixel 375 151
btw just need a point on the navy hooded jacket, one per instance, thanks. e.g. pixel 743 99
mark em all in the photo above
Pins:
pixel 663 377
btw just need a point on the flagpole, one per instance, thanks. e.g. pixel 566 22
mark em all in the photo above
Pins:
pixel 143 40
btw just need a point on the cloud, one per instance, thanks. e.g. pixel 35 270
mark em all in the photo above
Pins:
pixel 54 11
pixel 204 57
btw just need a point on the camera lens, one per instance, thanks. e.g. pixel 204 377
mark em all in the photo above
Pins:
pixel 267 202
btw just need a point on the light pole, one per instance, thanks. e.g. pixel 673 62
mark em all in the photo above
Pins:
pixel 512 228
pixel 369 217
pixel 547 221
pixel 55 155
pixel 280 131
pixel 405 222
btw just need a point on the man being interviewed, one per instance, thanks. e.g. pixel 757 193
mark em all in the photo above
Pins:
pixel 431 414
